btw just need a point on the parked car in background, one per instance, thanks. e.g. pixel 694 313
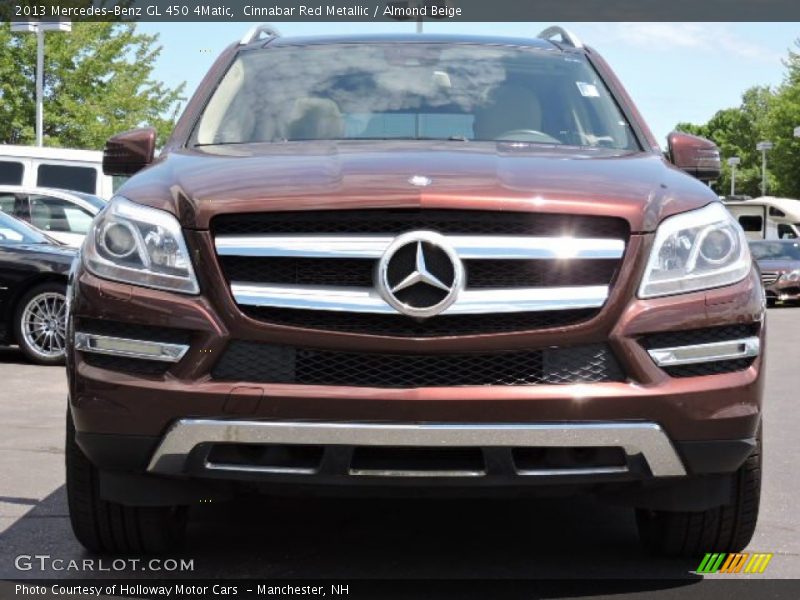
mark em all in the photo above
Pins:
pixel 33 281
pixel 767 217
pixel 62 168
pixel 65 216
pixel 779 261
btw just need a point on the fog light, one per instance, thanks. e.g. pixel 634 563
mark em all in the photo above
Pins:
pixel 142 349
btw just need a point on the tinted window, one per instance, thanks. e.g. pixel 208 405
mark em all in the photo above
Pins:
pixel 82 179
pixel 7 202
pixel 775 250
pixel 11 172
pixel 786 231
pixel 57 215
pixel 751 223
pixel 776 212
pixel 414 91
pixel 13 231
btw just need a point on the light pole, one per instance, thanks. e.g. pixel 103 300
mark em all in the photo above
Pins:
pixel 764 147
pixel 732 162
pixel 39 28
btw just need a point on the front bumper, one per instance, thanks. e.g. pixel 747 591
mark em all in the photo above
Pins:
pixel 144 412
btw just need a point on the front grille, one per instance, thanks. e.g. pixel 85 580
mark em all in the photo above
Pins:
pixel 474 222
pixel 769 277
pixel 261 275
pixel 401 326
pixel 707 335
pixel 360 272
pixel 267 363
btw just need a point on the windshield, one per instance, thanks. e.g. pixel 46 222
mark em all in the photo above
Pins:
pixel 775 250
pixel 13 231
pixel 413 91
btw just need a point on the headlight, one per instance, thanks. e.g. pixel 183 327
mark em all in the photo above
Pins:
pixel 792 275
pixel 139 245
pixel 697 250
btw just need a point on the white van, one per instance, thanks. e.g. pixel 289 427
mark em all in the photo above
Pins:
pixel 62 168
pixel 767 217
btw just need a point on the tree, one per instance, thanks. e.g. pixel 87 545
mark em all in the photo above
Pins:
pixel 737 131
pixel 784 117
pixel 97 82
pixel 764 114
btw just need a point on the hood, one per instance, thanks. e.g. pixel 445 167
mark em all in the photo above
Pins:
pixel 55 250
pixel 779 266
pixel 196 185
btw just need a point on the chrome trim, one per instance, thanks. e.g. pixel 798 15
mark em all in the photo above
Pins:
pixel 578 471
pixel 567 37
pixel 368 300
pixel 641 438
pixel 85 342
pixel 254 33
pixel 415 473
pixel 373 246
pixel 701 353
pixel 259 469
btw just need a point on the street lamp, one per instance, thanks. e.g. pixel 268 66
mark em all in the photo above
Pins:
pixel 39 28
pixel 764 147
pixel 732 162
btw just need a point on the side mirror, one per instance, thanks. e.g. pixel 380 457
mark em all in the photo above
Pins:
pixel 697 156
pixel 129 152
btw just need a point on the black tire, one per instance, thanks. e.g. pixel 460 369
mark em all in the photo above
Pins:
pixel 106 527
pixel 726 528
pixel 51 287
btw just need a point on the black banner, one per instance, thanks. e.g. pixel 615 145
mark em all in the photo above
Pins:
pixel 383 10
pixel 730 588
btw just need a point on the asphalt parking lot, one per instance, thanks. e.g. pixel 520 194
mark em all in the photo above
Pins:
pixel 385 538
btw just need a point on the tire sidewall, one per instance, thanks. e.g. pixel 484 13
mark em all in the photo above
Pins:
pixel 52 287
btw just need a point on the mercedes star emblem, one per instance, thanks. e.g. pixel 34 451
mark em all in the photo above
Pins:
pixel 420 274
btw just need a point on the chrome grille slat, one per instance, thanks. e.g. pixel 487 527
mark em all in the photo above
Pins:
pixel 367 300
pixel 468 247
pixel 769 277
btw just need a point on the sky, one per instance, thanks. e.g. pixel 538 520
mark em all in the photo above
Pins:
pixel 674 71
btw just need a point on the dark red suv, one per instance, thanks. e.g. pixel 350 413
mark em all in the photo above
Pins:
pixel 453 264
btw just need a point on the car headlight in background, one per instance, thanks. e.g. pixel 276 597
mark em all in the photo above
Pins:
pixel 140 245
pixel 696 250
pixel 791 275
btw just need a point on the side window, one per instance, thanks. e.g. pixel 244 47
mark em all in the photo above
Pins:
pixel 7 203
pixel 776 212
pixel 751 222
pixel 80 179
pixel 11 172
pixel 786 231
pixel 55 214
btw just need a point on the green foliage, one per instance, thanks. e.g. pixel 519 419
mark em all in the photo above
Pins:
pixel 97 82
pixel 764 114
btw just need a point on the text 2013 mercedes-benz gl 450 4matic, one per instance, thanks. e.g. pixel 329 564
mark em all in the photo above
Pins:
pixel 453 265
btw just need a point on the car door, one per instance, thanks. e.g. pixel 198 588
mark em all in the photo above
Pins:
pixel 60 218
pixel 12 270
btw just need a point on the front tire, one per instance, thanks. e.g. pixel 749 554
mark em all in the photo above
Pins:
pixel 40 323
pixel 106 527
pixel 726 528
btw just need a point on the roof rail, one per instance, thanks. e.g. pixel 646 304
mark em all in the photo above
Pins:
pixel 567 37
pixel 257 32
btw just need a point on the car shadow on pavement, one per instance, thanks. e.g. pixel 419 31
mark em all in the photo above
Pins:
pixel 304 538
